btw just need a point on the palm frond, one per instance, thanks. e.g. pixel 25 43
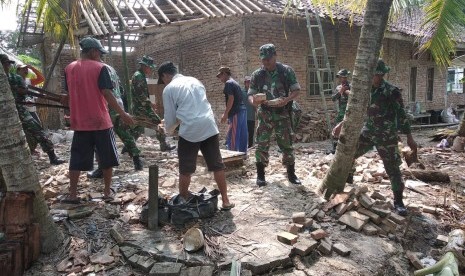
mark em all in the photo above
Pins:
pixel 443 18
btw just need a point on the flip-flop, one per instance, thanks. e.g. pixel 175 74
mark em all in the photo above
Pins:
pixel 111 197
pixel 228 207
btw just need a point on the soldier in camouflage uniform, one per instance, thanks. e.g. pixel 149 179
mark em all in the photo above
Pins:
pixel 121 130
pixel 279 83
pixel 341 95
pixel 30 126
pixel 386 115
pixel 141 102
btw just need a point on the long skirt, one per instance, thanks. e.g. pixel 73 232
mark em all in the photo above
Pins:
pixel 237 137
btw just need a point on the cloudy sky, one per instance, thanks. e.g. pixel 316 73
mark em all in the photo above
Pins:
pixel 8 17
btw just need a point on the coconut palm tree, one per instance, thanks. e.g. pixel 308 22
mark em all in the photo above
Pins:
pixel 442 16
pixel 17 170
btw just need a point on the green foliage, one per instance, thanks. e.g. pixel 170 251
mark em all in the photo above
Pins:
pixel 443 17
pixel 29 60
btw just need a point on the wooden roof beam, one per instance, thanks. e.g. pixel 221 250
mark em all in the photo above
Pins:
pixel 167 20
pixel 109 20
pixel 118 12
pixel 226 7
pixel 253 5
pixel 186 7
pixel 216 8
pixel 149 13
pixel 135 14
pixel 91 16
pixel 199 9
pixel 234 6
pixel 100 21
pixel 176 8
pixel 243 6
pixel 86 16
pixel 206 8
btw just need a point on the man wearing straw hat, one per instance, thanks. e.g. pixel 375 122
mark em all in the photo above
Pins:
pixel 31 127
pixel 141 104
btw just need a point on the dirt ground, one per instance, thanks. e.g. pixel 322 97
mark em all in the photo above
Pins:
pixel 249 230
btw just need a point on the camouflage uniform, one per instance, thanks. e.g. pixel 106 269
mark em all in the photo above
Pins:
pixel 342 103
pixel 122 131
pixel 33 130
pixel 386 115
pixel 141 106
pixel 270 118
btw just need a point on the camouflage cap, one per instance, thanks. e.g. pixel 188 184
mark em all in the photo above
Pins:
pixel 267 51
pixel 223 69
pixel 5 59
pixel 343 73
pixel 90 42
pixel 381 68
pixel 147 61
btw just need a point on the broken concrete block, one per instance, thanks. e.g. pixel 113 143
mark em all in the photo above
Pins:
pixel 370 230
pixel 128 251
pixel 373 217
pixel 353 222
pixel 305 246
pixel 341 249
pixel 287 238
pixel 381 212
pixel 381 231
pixel 325 248
pixel 377 195
pixel 388 225
pixel 145 264
pixel 166 269
pixel 263 266
pixel 414 260
pixel 366 201
pixel 308 222
pixel 134 259
pixel 396 218
pixel 298 217
pixel 318 234
pixel 350 206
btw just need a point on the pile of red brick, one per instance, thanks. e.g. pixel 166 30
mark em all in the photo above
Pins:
pixel 19 237
pixel 353 208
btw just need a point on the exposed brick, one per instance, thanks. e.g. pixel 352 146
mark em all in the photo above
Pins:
pixel 381 212
pixel 341 209
pixel 377 195
pixel 325 248
pixel 396 218
pixel 414 260
pixel 308 222
pixel 287 238
pixel 373 217
pixel 318 234
pixel 293 228
pixel 370 230
pixel 304 246
pixel 365 200
pixel 352 222
pixel 298 217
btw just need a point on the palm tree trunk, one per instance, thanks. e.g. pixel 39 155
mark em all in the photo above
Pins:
pixel 17 169
pixel 371 37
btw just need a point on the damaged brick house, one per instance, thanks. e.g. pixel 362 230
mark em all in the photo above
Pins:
pixel 202 35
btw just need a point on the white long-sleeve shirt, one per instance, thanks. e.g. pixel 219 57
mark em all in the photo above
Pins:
pixel 185 99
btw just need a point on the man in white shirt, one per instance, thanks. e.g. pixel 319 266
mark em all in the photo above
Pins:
pixel 185 104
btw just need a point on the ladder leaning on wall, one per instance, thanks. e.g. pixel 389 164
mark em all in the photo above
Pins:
pixel 320 69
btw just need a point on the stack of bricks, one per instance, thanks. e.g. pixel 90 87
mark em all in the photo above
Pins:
pixel 313 127
pixel 19 237
pixel 303 244
pixel 362 212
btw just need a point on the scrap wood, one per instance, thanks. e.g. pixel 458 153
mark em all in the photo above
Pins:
pixel 427 175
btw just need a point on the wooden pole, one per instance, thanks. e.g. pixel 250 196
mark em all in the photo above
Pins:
pixel 127 87
pixel 153 198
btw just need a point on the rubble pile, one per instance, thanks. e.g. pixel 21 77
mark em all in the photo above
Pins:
pixel 313 127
